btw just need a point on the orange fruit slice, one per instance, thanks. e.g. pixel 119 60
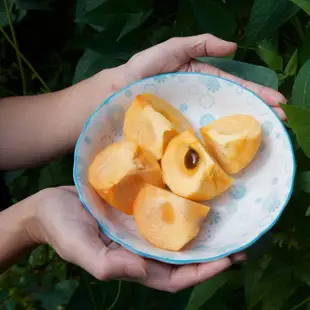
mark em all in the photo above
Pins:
pixel 189 171
pixel 119 171
pixel 233 141
pixel 152 122
pixel 166 220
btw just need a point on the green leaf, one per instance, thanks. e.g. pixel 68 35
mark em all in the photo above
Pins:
pixel 91 63
pixel 304 178
pixel 301 88
pixel 88 58
pixel 85 6
pixel 308 212
pixel 302 272
pixel 204 291
pixel 273 60
pixel 39 256
pixel 254 290
pixel 304 51
pixel 134 20
pixel 266 17
pixel 60 295
pixel 186 23
pixel 299 120
pixel 33 4
pixel 4 19
pixel 11 176
pixel 211 15
pixel 292 65
pixel 256 74
pixel 278 291
pixel 304 4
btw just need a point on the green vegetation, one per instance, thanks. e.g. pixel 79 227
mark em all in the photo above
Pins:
pixel 48 45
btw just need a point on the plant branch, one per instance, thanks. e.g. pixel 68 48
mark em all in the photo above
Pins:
pixel 16 47
pixel 34 71
pixel 301 304
pixel 117 295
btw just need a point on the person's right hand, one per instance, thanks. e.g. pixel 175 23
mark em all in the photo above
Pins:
pixel 63 223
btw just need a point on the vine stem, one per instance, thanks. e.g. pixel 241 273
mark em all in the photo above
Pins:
pixel 301 304
pixel 34 71
pixel 16 47
pixel 117 295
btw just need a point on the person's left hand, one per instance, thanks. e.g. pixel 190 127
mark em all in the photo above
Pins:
pixel 64 224
pixel 178 55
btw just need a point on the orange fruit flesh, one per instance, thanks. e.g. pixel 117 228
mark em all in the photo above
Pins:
pixel 166 220
pixel 119 171
pixel 205 181
pixel 179 121
pixel 233 141
pixel 147 127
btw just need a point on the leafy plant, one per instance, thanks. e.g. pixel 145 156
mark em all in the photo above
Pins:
pixel 50 44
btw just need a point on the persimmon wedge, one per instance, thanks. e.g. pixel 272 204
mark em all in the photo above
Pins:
pixel 152 122
pixel 233 141
pixel 118 172
pixel 189 171
pixel 166 220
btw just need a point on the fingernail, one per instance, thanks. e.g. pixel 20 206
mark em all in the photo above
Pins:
pixel 277 98
pixel 238 258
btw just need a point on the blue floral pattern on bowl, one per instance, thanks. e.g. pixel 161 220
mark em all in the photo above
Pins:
pixel 242 214
pixel 212 84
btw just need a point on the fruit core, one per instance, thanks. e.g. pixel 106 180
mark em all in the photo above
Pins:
pixel 191 159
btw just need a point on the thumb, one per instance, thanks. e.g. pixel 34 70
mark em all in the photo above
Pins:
pixel 172 54
pixel 199 46
pixel 105 263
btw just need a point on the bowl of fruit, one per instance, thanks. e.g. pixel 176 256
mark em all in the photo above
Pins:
pixel 184 167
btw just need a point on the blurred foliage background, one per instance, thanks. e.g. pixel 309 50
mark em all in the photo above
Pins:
pixel 46 45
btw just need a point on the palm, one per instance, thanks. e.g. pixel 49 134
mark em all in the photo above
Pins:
pixel 179 55
pixel 75 236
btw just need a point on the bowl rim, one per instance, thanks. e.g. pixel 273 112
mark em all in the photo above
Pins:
pixel 170 260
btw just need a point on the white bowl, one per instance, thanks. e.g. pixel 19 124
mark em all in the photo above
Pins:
pixel 240 216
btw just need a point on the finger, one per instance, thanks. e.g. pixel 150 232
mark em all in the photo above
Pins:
pixel 185 48
pixel 269 95
pixel 89 252
pixel 170 55
pixel 238 257
pixel 280 113
pixel 189 275
pixel 169 278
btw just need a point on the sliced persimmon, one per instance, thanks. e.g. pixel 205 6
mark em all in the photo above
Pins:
pixel 189 171
pixel 152 123
pixel 233 140
pixel 119 171
pixel 166 220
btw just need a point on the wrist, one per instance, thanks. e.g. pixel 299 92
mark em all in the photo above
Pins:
pixel 26 212
pixel 15 239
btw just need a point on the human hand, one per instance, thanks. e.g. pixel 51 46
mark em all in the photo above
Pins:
pixel 177 55
pixel 63 223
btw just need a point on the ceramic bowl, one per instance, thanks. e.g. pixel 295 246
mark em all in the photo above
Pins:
pixel 240 216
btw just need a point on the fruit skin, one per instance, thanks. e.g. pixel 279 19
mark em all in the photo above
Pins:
pixel 118 172
pixel 205 181
pixel 233 141
pixel 166 220
pixel 151 122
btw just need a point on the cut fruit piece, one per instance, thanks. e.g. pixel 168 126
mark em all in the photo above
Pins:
pixel 119 171
pixel 177 118
pixel 166 220
pixel 190 171
pixel 233 141
pixel 152 123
